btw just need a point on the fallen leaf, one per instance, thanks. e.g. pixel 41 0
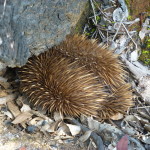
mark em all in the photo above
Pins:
pixel 134 55
pixel 118 116
pixel 22 117
pixel 142 35
pixel 58 137
pixel 57 116
pixel 13 108
pixel 25 108
pixel 7 113
pixel 3 93
pixel 147 127
pixel 85 136
pixel 146 139
pixel 4 100
pixel 46 127
pixel 74 129
pixel 4 83
pixel 35 120
pixel 54 126
pixel 93 124
pixel 130 118
pixel 63 129
pixel 123 143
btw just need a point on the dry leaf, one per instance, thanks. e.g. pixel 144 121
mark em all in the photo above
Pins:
pixel 129 129
pixel 13 108
pixel 7 113
pixel 74 129
pixel 57 116
pixel 24 125
pixel 118 116
pixel 144 29
pixel 58 138
pixel 85 136
pixel 101 127
pixel 130 118
pixel 119 13
pixel 136 68
pixel 25 108
pixel 144 88
pixel 141 119
pixel 35 120
pixel 46 127
pixel 54 126
pixel 146 139
pixel 4 83
pixel 4 100
pixel 134 55
pixel 147 127
pixel 93 124
pixel 141 35
pixel 63 129
pixel 143 113
pixel 22 117
pixel 3 93
pixel 123 143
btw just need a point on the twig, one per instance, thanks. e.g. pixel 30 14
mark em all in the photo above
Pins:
pixel 93 11
pixel 4 9
pixel 101 34
pixel 41 115
pixel 137 143
pixel 129 35
pixel 85 27
pixel 101 12
pixel 118 29
pixel 93 34
pixel 141 107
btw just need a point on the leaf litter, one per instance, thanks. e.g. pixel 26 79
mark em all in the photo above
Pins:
pixel 132 131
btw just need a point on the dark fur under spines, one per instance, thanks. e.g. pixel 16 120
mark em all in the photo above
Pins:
pixel 77 77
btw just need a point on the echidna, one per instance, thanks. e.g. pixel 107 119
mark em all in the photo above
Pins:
pixel 77 77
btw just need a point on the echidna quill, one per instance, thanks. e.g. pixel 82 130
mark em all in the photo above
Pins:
pixel 77 77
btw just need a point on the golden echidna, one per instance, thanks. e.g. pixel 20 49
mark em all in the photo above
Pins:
pixel 77 77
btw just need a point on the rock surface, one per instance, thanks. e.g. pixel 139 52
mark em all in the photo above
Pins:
pixel 34 25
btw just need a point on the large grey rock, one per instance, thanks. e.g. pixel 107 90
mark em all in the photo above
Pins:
pixel 32 26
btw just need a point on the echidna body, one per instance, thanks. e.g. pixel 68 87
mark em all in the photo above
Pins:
pixel 77 77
